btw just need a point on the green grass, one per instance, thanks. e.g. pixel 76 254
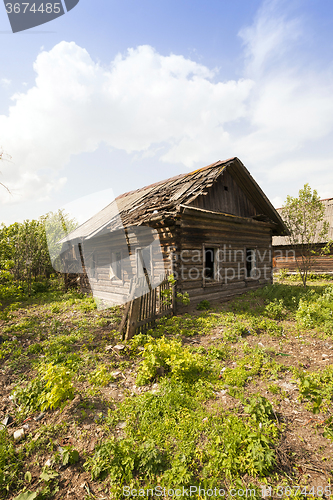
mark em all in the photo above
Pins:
pixel 203 412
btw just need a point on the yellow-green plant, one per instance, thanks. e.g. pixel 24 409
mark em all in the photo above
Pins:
pixel 101 376
pixel 58 386
pixel 163 355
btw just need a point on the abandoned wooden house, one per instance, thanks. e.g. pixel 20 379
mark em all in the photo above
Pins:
pixel 211 228
pixel 286 255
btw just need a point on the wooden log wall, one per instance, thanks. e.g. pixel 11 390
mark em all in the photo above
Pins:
pixel 98 259
pixel 231 240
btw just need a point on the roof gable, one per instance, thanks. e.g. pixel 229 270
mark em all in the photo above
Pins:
pixel 225 196
pixel 164 198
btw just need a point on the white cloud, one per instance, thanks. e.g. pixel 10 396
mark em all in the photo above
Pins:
pixel 275 118
pixel 291 106
pixel 143 99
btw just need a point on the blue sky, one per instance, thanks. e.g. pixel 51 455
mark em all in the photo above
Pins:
pixel 117 95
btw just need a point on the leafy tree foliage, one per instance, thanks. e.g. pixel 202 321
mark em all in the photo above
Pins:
pixel 304 218
pixel 24 250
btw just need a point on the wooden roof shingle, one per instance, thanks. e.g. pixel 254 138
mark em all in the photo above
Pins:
pixel 164 198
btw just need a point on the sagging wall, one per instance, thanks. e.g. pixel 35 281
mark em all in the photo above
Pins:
pixel 231 242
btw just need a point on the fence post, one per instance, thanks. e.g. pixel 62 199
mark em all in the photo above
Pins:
pixel 127 308
pixel 133 316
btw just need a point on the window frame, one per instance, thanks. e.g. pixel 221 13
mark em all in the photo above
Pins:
pixel 216 279
pixel 150 271
pixel 116 278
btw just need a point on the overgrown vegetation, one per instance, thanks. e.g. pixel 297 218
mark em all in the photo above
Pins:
pixel 304 218
pixel 211 399
pixel 25 264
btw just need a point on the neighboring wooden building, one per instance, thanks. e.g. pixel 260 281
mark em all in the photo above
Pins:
pixel 212 228
pixel 285 254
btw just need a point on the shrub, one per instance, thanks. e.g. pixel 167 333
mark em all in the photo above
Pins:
pixel 203 305
pixel 50 389
pixel 162 355
pixel 58 386
pixel 275 309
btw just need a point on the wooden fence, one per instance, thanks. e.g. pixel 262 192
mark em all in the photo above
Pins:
pixel 142 310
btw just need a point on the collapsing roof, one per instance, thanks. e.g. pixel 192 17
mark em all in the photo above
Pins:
pixel 164 199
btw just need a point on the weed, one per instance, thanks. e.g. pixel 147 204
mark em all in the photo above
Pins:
pixel 260 409
pixel 235 447
pixel 274 389
pixel 316 387
pixel 58 386
pixel 275 309
pixel 265 325
pixel 235 332
pixel 11 462
pixel 49 389
pixel 245 369
pixel 203 305
pixel 101 376
pixel 222 351
pixel 328 429
pixel 69 455
pixel 161 356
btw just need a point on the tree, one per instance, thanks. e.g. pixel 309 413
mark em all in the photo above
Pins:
pixel 25 249
pixel 304 218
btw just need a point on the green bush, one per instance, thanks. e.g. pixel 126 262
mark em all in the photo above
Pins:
pixel 203 305
pixel 49 390
pixel 316 387
pixel 162 355
pixel 316 309
pixel 275 309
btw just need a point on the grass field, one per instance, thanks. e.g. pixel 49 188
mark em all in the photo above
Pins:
pixel 235 398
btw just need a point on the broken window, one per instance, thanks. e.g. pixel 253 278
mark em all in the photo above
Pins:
pixel 210 263
pixel 250 262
